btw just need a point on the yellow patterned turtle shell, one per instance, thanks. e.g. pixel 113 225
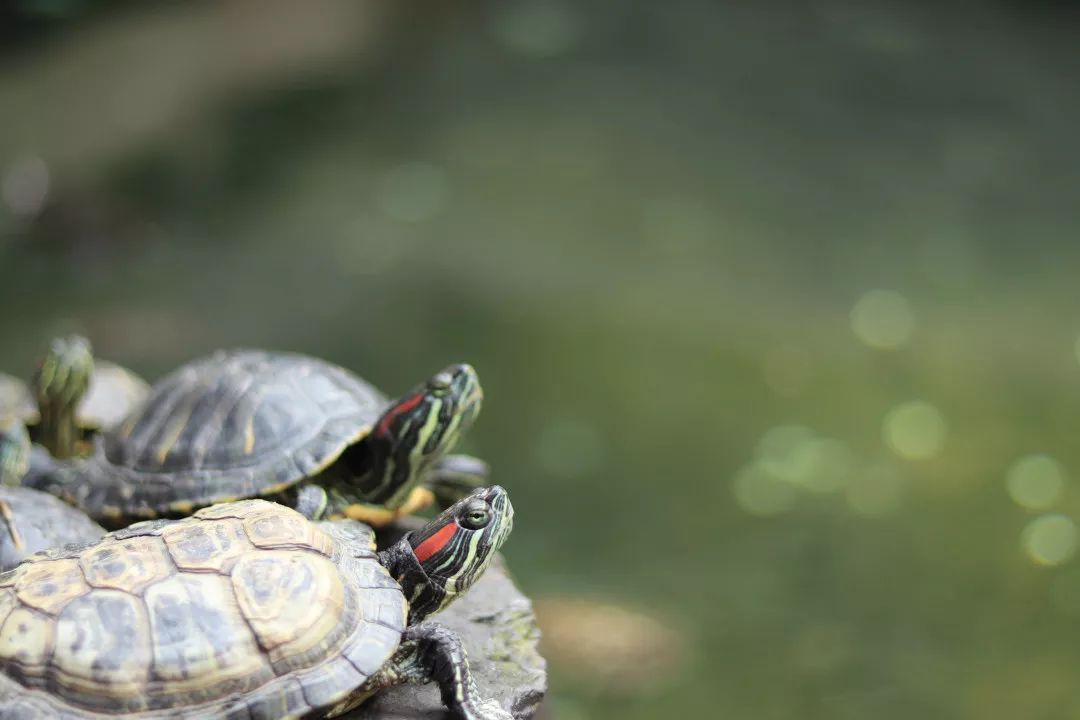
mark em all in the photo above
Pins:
pixel 245 610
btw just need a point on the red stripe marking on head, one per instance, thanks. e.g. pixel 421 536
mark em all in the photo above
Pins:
pixel 436 542
pixel 402 407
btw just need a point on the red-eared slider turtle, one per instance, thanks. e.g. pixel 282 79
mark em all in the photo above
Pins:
pixel 31 520
pixel 73 397
pixel 247 423
pixel 245 610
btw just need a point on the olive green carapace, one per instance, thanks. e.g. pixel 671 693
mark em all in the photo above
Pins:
pixel 247 423
pixel 233 425
pixel 243 609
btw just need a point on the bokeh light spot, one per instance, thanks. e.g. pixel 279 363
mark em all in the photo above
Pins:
pixel 796 455
pixel 762 493
pixel 1035 482
pixel 821 465
pixel 883 319
pixel 413 192
pixel 1049 539
pixel 915 430
pixel 778 442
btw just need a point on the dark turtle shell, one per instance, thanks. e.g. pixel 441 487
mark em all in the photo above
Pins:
pixel 245 610
pixel 236 424
pixel 31 521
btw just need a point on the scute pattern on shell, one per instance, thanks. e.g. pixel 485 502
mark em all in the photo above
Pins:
pixel 236 424
pixel 245 610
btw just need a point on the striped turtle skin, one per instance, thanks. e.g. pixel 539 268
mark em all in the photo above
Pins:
pixel 245 610
pixel 75 396
pixel 248 423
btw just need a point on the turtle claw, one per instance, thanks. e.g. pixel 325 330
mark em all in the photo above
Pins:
pixel 488 710
pixel 9 521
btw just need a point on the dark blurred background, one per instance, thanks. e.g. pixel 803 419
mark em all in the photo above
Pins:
pixel 775 304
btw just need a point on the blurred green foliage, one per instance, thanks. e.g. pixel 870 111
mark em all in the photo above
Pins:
pixel 659 232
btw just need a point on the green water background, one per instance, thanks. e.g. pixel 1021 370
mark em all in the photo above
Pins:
pixel 649 227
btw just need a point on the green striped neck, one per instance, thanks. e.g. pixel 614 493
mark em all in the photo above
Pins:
pixel 413 433
pixel 61 382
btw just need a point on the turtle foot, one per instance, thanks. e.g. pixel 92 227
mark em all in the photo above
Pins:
pixel 378 517
pixel 486 710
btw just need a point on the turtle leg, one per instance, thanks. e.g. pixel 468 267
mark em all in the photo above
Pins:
pixel 310 500
pixel 454 477
pixel 432 653
pixel 378 516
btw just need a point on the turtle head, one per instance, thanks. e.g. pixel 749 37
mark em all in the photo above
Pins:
pixel 444 558
pixel 14 451
pixel 415 431
pixel 61 382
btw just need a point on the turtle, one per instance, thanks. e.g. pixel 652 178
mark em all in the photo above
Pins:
pixel 31 520
pixel 253 423
pixel 243 610
pixel 73 398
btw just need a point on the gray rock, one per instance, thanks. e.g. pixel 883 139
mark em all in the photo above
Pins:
pixel 497 625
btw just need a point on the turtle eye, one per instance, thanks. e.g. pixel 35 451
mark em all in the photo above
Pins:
pixel 476 516
pixel 440 384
